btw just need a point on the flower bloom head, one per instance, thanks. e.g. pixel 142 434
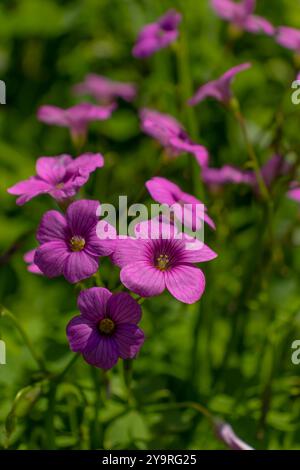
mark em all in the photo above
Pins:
pixel 241 15
pixel 158 258
pixel 227 174
pixel 294 192
pixel 226 434
pixel 75 118
pixel 171 135
pixel 69 244
pixel 156 36
pixel 289 38
pixel 105 90
pixel 106 328
pixel 29 260
pixel 185 205
pixel 219 89
pixel 61 177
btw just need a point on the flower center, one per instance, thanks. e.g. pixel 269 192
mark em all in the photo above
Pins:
pixel 77 243
pixel 162 262
pixel 106 326
pixel 59 185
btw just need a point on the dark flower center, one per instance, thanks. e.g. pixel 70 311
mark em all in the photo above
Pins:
pixel 59 185
pixel 77 243
pixel 106 326
pixel 162 262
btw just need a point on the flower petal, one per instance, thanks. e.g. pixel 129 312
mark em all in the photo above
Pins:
pixel 122 308
pixel 79 331
pixel 101 352
pixel 82 216
pixel 28 189
pixel 52 227
pixel 129 339
pixel 185 283
pixel 79 266
pixel 92 303
pixel 51 258
pixel 144 280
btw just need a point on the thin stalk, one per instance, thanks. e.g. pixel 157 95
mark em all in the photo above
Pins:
pixel 4 312
pixel 235 107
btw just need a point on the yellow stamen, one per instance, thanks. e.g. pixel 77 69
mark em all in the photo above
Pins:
pixel 106 326
pixel 77 243
pixel 162 262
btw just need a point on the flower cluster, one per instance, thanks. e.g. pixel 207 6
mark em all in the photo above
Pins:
pixel 159 256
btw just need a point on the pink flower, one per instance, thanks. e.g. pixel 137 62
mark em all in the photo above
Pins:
pixel 29 260
pixel 69 244
pixel 219 89
pixel 275 167
pixel 294 192
pixel 106 328
pixel 171 135
pixel 75 118
pixel 61 177
pixel 226 434
pixel 226 174
pixel 241 15
pixel 105 90
pixel 166 192
pixel 158 259
pixel 156 36
pixel 289 38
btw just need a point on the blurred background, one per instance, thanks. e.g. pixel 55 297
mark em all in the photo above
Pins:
pixel 231 352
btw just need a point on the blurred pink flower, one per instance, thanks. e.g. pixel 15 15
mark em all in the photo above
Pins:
pixel 75 118
pixel 219 89
pixel 165 192
pixel 241 15
pixel 61 177
pixel 105 90
pixel 226 434
pixel 171 135
pixel 225 175
pixel 289 38
pixel 294 192
pixel 275 167
pixel 157 35
pixel 31 266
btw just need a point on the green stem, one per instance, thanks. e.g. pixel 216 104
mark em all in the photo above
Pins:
pixel 186 91
pixel 235 107
pixel 6 313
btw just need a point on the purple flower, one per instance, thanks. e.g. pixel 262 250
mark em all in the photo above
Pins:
pixel 226 434
pixel 61 177
pixel 75 118
pixel 29 260
pixel 171 135
pixel 219 89
pixel 156 36
pixel 294 192
pixel 275 167
pixel 158 259
pixel 105 90
pixel 226 174
pixel 289 38
pixel 165 192
pixel 241 15
pixel 69 244
pixel 107 328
